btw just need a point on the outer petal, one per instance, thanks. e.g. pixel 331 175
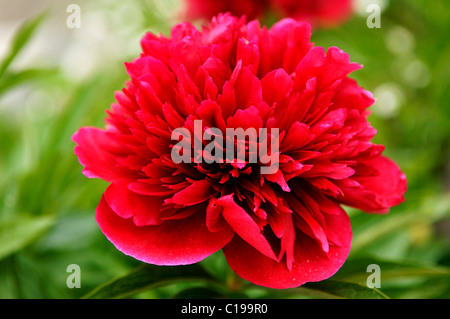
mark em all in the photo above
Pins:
pixel 175 242
pixel 145 210
pixel 98 153
pixel 381 185
pixel 310 262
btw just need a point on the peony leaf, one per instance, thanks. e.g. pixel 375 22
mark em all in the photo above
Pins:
pixel 14 79
pixel 17 233
pixel 355 270
pixel 379 229
pixel 343 289
pixel 21 38
pixel 145 276
pixel 329 289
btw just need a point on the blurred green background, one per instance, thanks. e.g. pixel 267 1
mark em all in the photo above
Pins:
pixel 54 79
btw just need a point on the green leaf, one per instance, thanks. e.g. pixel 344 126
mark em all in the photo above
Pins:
pixel 380 229
pixel 21 38
pixel 355 270
pixel 345 290
pixel 327 289
pixel 145 276
pixel 13 79
pixel 17 233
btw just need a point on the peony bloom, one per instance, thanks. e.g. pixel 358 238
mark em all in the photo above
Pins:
pixel 320 13
pixel 252 9
pixel 278 230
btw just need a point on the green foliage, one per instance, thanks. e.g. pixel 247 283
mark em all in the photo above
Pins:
pixel 145 276
pixel 17 233
pixel 341 289
pixel 47 207
pixel 22 37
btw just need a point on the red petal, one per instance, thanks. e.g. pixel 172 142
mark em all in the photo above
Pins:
pixel 330 170
pixel 326 185
pixel 287 240
pixel 248 53
pixel 312 222
pixel 276 85
pixel 197 192
pixel 174 242
pixel 284 45
pixel 335 65
pixel 338 65
pixel 244 225
pixel 126 204
pixel 297 136
pixel 144 187
pixel 98 153
pixel 214 219
pixel 311 263
pixel 383 188
pixel 248 118
pixel 227 100
pixel 351 95
pixel 278 178
pixel 211 113
pixel 248 89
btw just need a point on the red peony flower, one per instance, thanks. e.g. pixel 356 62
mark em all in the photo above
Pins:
pixel 321 13
pixel 207 9
pixel 280 229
